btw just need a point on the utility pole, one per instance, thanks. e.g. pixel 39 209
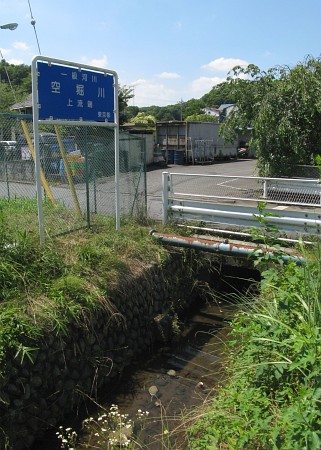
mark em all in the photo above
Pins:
pixel 181 103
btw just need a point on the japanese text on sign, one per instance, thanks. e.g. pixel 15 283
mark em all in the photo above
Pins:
pixel 74 94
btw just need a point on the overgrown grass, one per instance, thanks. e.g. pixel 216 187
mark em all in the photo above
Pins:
pixel 272 397
pixel 46 288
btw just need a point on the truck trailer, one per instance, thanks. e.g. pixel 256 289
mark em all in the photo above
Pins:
pixel 185 142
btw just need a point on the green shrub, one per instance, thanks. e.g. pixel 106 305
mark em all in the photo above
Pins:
pixel 272 399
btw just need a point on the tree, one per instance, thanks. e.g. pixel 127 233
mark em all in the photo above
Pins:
pixel 192 107
pixel 283 106
pixel 152 110
pixel 19 75
pixel 219 94
pixel 131 111
pixel 125 93
pixel 201 118
pixel 144 118
pixel 15 84
pixel 165 113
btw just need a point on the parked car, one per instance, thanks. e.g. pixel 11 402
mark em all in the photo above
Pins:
pixel 8 151
pixel 50 156
pixel 243 152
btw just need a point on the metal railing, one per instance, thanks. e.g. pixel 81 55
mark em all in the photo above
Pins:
pixel 288 191
pixel 292 205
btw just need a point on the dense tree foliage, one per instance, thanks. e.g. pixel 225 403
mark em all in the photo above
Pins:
pixel 219 94
pixel 201 118
pixel 164 113
pixel 144 118
pixel 15 84
pixel 130 112
pixel 124 95
pixel 283 106
pixel 19 75
pixel 178 111
pixel 193 107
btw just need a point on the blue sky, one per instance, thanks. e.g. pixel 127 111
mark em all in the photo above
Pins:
pixel 168 50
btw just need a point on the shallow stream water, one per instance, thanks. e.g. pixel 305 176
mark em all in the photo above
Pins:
pixel 171 382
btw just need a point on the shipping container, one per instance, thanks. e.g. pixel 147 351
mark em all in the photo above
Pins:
pixel 184 142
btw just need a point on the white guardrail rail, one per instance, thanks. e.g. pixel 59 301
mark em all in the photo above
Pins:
pixel 295 204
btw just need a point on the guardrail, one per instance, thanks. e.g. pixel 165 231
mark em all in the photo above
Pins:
pixel 234 201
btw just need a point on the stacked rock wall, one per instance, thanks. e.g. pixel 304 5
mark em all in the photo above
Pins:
pixel 68 367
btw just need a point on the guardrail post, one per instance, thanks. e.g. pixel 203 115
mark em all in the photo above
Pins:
pixel 165 187
pixel 265 188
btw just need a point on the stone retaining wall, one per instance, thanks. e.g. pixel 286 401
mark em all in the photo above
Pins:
pixel 69 367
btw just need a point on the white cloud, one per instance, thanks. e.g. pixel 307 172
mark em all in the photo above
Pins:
pixel 5 51
pixel 138 82
pixel 22 46
pixel 202 85
pixel 96 62
pixel 15 62
pixel 224 64
pixel 169 75
pixel 149 93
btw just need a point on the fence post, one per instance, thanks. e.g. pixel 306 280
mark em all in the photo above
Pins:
pixel 265 188
pixel 7 179
pixel 165 184
pixel 145 174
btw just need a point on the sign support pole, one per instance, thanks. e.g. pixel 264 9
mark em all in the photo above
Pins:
pixel 35 114
pixel 116 132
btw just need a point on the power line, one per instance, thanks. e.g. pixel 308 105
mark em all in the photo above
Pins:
pixel 33 23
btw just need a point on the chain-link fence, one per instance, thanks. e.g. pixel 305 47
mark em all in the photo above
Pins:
pixel 305 171
pixel 299 192
pixel 77 171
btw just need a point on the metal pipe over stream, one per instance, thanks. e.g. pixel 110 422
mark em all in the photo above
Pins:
pixel 228 249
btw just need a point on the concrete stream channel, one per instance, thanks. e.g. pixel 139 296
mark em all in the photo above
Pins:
pixel 184 373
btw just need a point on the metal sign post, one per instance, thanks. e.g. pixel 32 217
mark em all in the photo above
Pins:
pixel 69 93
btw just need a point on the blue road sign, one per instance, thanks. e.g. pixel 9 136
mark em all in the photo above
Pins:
pixel 74 94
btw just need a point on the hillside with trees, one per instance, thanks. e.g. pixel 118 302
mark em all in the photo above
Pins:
pixel 15 84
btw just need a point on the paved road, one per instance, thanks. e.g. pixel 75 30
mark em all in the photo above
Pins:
pixel 103 196
pixel 243 167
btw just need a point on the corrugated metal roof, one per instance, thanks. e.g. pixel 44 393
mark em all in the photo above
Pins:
pixel 25 104
pixel 225 105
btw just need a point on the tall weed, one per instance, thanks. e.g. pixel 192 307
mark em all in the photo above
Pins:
pixel 272 399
